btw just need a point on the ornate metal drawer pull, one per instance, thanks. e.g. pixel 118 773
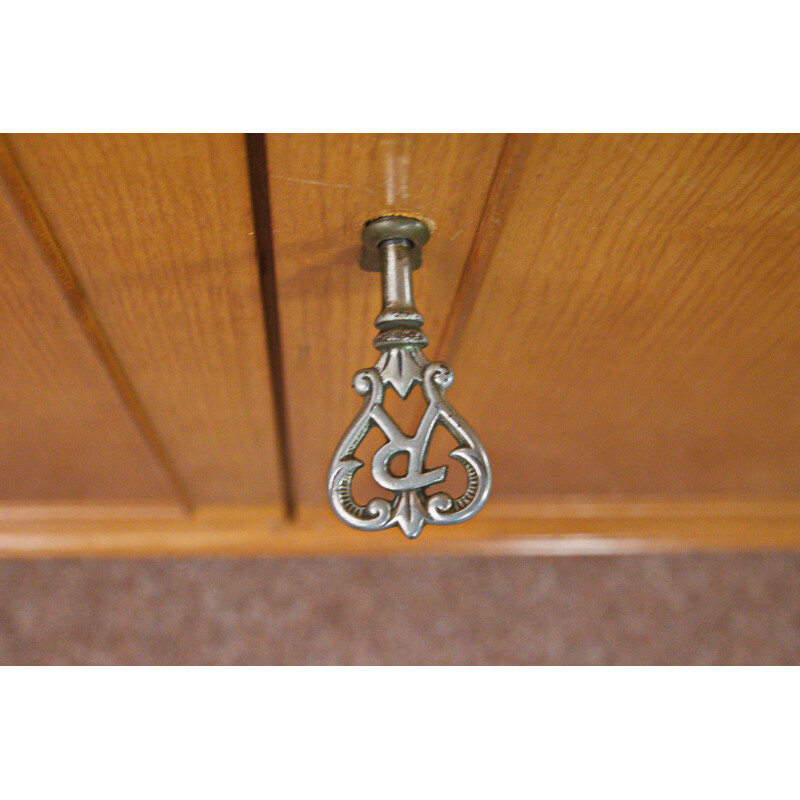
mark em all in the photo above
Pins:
pixel 393 247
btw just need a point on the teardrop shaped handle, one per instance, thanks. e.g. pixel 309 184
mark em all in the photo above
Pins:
pixel 393 245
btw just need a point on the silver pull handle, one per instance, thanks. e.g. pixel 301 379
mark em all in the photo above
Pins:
pixel 393 246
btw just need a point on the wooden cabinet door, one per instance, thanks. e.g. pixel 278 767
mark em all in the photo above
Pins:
pixel 181 316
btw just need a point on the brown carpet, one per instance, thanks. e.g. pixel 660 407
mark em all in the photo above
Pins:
pixel 701 609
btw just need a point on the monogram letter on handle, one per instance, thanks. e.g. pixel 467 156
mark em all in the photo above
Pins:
pixel 393 247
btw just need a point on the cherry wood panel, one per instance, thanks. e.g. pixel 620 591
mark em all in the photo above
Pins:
pixel 158 230
pixel 66 433
pixel 638 330
pixel 323 188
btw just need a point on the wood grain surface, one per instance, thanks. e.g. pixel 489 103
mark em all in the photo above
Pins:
pixel 638 330
pixel 65 431
pixel 158 231
pixel 622 313
pixel 587 526
pixel 323 188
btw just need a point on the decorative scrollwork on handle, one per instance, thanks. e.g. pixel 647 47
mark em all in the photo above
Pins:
pixel 393 245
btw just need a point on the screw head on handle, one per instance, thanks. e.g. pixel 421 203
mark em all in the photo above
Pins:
pixel 384 229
